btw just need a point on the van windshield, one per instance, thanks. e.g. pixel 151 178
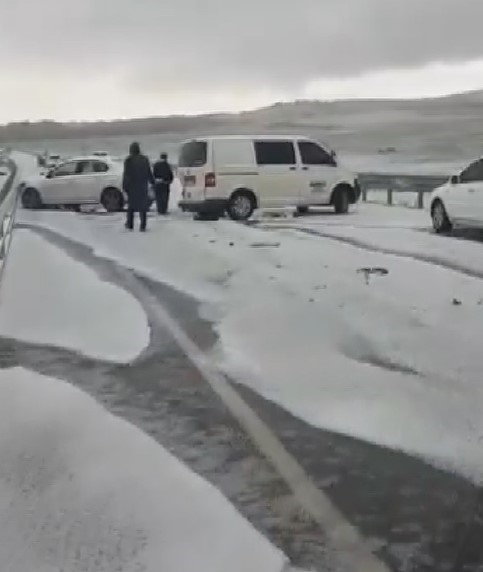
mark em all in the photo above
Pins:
pixel 193 154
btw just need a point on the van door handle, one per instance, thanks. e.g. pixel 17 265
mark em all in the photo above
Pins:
pixel 305 168
pixel 471 190
pixel 292 168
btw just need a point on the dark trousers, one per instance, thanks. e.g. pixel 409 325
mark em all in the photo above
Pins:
pixel 161 191
pixel 143 215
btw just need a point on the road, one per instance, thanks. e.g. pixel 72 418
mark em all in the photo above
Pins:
pixel 328 500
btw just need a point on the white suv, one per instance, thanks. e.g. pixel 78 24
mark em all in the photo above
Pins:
pixel 241 173
pixel 85 180
pixel 460 200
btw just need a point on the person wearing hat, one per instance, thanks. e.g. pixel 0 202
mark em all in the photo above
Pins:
pixel 163 177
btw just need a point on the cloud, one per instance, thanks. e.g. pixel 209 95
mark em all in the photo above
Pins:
pixel 187 46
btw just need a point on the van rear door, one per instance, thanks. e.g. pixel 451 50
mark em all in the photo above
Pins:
pixel 193 166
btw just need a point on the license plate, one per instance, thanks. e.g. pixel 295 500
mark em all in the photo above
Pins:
pixel 189 180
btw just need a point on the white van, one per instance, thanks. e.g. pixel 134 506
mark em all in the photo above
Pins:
pixel 241 173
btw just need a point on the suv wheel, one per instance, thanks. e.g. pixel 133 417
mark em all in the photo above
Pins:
pixel 441 222
pixel 341 201
pixel 112 200
pixel 31 199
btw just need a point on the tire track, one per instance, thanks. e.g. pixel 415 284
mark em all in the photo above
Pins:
pixel 367 246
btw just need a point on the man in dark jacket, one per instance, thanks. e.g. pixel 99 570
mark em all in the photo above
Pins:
pixel 163 176
pixel 135 182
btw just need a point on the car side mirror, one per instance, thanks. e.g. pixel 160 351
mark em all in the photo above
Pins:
pixel 454 180
pixel 49 174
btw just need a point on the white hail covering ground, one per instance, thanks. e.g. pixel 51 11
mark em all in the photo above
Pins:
pixel 83 491
pixel 393 362
pixel 49 298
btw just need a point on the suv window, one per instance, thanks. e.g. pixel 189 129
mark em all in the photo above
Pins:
pixel 66 169
pixel 313 154
pixel 473 173
pixel 275 152
pixel 89 167
pixel 193 154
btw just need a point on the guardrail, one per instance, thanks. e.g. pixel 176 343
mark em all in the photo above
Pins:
pixel 391 184
pixel 8 205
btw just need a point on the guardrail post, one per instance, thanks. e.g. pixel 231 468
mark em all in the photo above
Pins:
pixel 420 199
pixel 389 197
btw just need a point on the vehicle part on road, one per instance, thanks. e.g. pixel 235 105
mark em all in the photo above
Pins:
pixel 376 271
pixel 31 199
pixel 112 200
pixel 341 198
pixel 241 205
pixel 441 222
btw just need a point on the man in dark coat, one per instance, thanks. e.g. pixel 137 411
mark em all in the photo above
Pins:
pixel 163 176
pixel 135 182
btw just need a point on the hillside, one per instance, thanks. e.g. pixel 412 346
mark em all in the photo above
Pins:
pixel 312 115
pixel 442 130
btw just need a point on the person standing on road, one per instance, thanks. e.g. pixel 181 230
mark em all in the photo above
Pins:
pixel 136 179
pixel 163 176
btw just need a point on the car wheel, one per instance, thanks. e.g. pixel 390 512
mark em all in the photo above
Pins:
pixel 341 201
pixel 112 200
pixel 241 205
pixel 31 199
pixel 302 210
pixel 441 222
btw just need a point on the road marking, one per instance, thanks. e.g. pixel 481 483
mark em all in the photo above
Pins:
pixel 351 551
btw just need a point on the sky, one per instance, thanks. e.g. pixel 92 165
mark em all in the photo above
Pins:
pixel 106 59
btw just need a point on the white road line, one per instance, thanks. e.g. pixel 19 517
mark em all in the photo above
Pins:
pixel 351 551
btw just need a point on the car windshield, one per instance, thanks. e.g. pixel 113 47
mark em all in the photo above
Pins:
pixel 241 297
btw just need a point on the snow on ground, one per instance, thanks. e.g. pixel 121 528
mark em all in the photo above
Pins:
pixel 48 298
pixel 393 362
pixel 83 491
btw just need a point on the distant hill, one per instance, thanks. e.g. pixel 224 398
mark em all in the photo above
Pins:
pixel 314 116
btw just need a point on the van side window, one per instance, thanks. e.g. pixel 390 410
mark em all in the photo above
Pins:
pixel 275 153
pixel 312 154
pixel 473 173
pixel 193 154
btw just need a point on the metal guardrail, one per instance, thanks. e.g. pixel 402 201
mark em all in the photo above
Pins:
pixel 8 205
pixel 420 184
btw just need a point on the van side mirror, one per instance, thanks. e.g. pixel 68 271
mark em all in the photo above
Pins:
pixel 49 174
pixel 454 180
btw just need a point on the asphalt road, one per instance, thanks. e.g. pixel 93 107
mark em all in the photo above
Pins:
pixel 411 516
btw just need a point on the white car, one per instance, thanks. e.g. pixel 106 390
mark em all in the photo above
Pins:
pixel 241 173
pixel 85 180
pixel 460 200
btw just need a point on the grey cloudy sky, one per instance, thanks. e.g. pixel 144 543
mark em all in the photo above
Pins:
pixel 108 58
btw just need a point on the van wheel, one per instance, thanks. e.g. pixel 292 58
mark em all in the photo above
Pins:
pixel 241 205
pixel 341 200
